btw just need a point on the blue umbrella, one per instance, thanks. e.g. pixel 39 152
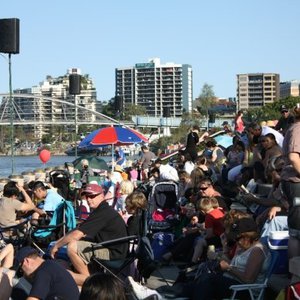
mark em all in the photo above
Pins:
pixel 223 140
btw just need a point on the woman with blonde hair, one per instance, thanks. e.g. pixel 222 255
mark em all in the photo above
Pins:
pixel 136 203
pixel 126 188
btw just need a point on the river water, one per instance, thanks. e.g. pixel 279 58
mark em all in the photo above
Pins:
pixel 29 163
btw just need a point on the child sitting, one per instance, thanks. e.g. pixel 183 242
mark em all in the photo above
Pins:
pixel 213 227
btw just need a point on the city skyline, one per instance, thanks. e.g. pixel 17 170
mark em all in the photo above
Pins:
pixel 219 40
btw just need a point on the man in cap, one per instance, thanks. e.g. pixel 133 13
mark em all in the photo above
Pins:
pixel 103 224
pixel 285 120
pixel 48 278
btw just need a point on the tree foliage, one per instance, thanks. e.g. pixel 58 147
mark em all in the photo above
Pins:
pixel 133 110
pixel 270 111
pixel 206 99
pixel 108 108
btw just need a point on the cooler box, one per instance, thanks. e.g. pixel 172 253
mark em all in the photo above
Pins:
pixel 61 254
pixel 278 241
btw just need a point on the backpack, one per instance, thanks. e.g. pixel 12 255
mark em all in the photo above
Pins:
pixel 145 264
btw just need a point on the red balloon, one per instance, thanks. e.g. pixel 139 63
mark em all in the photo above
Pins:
pixel 45 155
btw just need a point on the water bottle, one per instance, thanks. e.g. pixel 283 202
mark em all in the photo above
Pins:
pixel 211 252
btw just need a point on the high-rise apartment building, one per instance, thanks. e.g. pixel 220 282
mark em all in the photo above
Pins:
pixel 47 113
pixel 290 89
pixel 156 86
pixel 257 89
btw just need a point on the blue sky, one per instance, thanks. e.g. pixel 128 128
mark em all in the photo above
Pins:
pixel 218 38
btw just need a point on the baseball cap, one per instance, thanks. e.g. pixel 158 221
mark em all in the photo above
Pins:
pixel 241 226
pixel 92 189
pixel 283 108
pixel 23 253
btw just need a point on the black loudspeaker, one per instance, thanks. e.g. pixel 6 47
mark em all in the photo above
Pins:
pixel 74 84
pixel 118 103
pixel 9 35
pixel 166 112
pixel 211 118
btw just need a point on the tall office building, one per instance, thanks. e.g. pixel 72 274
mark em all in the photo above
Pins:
pixel 156 87
pixel 257 89
pixel 290 89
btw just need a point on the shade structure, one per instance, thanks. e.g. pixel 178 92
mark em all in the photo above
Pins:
pixel 114 136
pixel 96 163
pixel 224 140
pixel 117 135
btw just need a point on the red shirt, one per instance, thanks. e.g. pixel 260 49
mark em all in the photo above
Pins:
pixel 214 220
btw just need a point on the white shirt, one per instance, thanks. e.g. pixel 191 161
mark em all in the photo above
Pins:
pixel 189 167
pixel 278 136
pixel 168 173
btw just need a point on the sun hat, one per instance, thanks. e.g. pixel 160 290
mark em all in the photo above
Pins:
pixel 118 168
pixel 241 226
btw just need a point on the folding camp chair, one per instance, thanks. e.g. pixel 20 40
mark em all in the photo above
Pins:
pixel 62 221
pixel 18 235
pixel 257 288
pixel 139 248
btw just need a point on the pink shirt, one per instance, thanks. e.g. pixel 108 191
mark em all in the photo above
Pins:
pixel 239 124
pixel 134 175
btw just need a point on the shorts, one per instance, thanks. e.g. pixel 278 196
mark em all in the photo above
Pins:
pixel 84 250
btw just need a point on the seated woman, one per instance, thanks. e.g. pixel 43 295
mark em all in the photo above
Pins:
pixel 249 265
pixel 135 202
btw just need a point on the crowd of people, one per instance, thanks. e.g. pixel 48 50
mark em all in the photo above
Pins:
pixel 220 205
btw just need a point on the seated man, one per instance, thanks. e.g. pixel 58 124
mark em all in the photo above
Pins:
pixel 103 224
pixel 49 279
pixel 10 204
pixel 49 196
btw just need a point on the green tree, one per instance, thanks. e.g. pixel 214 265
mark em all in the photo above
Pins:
pixel 133 110
pixel 205 100
pixel 108 108
pixel 270 111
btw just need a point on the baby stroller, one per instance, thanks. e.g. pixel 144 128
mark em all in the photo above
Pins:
pixel 60 179
pixel 163 206
pixel 163 212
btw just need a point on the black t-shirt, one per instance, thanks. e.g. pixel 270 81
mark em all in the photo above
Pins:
pixel 52 281
pixel 105 224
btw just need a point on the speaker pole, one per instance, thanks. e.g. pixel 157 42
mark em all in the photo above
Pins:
pixel 74 89
pixel 11 116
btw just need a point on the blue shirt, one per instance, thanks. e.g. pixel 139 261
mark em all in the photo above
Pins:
pixel 120 154
pixel 52 200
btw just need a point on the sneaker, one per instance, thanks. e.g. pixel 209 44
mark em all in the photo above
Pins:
pixel 141 291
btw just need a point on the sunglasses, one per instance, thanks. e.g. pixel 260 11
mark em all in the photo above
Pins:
pixel 87 196
pixel 203 188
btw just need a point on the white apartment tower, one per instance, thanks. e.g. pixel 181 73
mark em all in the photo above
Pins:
pixel 157 86
pixel 47 113
pixel 257 89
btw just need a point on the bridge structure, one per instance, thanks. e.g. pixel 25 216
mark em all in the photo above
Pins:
pixel 21 118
